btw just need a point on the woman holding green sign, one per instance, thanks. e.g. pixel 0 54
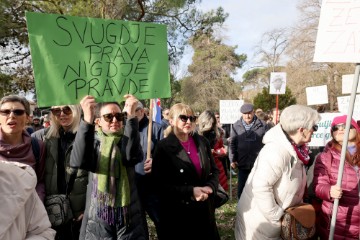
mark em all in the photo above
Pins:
pixel 113 209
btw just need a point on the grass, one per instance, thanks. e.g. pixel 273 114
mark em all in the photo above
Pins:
pixel 225 217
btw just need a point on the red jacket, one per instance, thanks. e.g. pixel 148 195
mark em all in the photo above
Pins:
pixel 219 151
pixel 348 215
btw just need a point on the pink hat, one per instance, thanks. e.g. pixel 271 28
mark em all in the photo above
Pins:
pixel 342 119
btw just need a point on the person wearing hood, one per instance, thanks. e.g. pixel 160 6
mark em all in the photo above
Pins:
pixel 23 215
pixel 277 180
pixel 325 179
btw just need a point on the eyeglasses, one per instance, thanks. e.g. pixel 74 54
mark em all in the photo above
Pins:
pixel 16 112
pixel 57 111
pixel 120 117
pixel 342 126
pixel 184 118
pixel 315 128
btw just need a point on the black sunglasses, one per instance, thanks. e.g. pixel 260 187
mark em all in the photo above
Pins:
pixel 57 111
pixel 184 118
pixel 337 127
pixel 315 128
pixel 16 112
pixel 120 117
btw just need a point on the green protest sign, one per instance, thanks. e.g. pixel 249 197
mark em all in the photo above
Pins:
pixel 77 56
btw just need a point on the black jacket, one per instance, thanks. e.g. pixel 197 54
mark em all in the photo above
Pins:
pixel 181 217
pixel 93 227
pixel 246 145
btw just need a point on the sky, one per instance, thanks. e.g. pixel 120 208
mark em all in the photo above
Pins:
pixel 248 20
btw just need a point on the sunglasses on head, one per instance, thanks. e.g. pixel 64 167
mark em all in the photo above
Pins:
pixel 57 111
pixel 120 117
pixel 16 112
pixel 315 128
pixel 184 118
pixel 342 126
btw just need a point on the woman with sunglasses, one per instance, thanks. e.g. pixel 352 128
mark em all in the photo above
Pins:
pixel 186 179
pixel 59 141
pixel 325 179
pixel 277 180
pixel 113 208
pixel 15 142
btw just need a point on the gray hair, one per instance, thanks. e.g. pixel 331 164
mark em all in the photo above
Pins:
pixel 55 125
pixel 16 98
pixel 298 116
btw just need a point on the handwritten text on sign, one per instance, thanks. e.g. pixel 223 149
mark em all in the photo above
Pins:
pixel 230 111
pixel 74 57
pixel 339 32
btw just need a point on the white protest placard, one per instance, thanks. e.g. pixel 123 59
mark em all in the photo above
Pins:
pixel 338 32
pixel 323 134
pixel 230 111
pixel 343 105
pixel 317 95
pixel 277 83
pixel 347 82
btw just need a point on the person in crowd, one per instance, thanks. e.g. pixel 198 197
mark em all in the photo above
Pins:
pixel 15 142
pixel 144 180
pixel 325 178
pixel 277 181
pixel 186 178
pixel 46 121
pixel 224 130
pixel 147 112
pixel 59 142
pixel 23 215
pixel 28 125
pixel 165 119
pixel 275 113
pixel 258 111
pixel 246 142
pixel 113 209
pixel 207 127
pixel 36 125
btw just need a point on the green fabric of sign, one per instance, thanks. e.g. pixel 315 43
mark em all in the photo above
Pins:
pixel 77 56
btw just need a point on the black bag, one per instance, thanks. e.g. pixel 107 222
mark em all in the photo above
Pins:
pixel 58 209
pixel 221 197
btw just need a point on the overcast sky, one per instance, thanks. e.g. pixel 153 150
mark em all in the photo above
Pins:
pixel 248 20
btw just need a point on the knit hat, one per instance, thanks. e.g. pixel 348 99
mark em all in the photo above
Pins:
pixel 342 119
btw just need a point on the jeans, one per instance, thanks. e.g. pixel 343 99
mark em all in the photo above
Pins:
pixel 242 177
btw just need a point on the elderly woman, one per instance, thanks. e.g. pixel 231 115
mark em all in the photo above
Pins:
pixel 325 178
pixel 15 142
pixel 59 142
pixel 187 178
pixel 277 180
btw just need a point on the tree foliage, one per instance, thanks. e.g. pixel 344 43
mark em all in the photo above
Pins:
pixel 211 72
pixel 182 18
pixel 267 101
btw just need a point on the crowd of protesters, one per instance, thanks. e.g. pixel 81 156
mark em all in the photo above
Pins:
pixel 99 157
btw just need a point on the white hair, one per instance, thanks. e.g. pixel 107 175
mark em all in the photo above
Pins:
pixel 298 116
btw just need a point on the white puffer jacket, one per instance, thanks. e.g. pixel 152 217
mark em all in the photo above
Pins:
pixel 276 182
pixel 23 215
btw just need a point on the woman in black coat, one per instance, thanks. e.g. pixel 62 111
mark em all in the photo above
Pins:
pixel 186 178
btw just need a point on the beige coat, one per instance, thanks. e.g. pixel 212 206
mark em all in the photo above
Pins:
pixel 23 215
pixel 276 182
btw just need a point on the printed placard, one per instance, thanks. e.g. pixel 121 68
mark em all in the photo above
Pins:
pixel 230 111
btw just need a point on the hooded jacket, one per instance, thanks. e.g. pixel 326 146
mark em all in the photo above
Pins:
pixel 277 181
pixel 23 215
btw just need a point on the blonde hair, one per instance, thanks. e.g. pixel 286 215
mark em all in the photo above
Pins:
pixel 207 122
pixel 55 125
pixel 174 113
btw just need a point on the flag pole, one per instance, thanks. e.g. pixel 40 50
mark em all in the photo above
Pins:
pixel 344 148
pixel 148 150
